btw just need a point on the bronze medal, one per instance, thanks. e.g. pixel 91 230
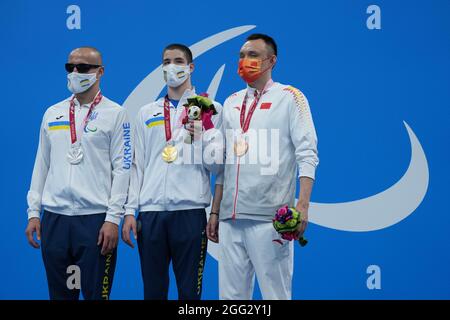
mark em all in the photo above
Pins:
pixel 240 147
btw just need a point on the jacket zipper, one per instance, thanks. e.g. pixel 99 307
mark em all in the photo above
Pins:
pixel 236 189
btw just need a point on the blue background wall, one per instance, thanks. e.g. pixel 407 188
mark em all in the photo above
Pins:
pixel 361 84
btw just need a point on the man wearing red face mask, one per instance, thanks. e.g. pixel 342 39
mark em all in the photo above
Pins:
pixel 269 134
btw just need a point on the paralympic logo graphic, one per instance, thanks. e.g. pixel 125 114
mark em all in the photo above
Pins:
pixel 368 214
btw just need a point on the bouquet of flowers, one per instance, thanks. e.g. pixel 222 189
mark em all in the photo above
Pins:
pixel 286 221
pixel 199 108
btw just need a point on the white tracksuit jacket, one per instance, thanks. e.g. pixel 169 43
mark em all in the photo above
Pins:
pixel 250 191
pixel 100 182
pixel 181 185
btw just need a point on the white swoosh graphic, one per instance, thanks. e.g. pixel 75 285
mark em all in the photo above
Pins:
pixel 215 82
pixel 383 209
pixel 373 213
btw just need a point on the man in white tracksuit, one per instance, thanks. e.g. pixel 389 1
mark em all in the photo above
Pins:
pixel 80 182
pixel 269 133
pixel 170 185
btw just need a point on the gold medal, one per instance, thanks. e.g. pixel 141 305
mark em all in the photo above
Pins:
pixel 169 153
pixel 240 147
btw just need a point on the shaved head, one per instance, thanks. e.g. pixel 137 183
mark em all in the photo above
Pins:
pixel 89 55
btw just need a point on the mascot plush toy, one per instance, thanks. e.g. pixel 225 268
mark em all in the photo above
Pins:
pixel 199 108
pixel 286 222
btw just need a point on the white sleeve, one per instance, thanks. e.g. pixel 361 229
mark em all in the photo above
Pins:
pixel 222 153
pixel 40 171
pixel 137 168
pixel 121 154
pixel 303 134
pixel 213 143
pixel 220 175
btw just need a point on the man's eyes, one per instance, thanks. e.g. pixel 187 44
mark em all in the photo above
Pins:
pixel 250 54
pixel 176 61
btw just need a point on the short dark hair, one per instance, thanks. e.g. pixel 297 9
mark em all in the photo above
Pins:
pixel 267 40
pixel 177 46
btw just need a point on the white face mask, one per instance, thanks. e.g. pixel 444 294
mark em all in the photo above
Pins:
pixel 80 82
pixel 175 75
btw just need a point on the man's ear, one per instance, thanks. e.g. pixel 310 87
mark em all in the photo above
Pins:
pixel 273 61
pixel 101 72
pixel 191 67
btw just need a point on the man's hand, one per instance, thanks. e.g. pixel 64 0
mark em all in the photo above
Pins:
pixel 129 225
pixel 303 210
pixel 212 228
pixel 108 235
pixel 194 126
pixel 34 226
pixel 189 126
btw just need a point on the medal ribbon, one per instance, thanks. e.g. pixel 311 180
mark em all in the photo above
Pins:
pixel 245 123
pixel 73 130
pixel 167 118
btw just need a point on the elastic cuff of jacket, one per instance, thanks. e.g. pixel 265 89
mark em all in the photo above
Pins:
pixel 129 212
pixel 113 219
pixel 34 214
pixel 307 170
pixel 220 176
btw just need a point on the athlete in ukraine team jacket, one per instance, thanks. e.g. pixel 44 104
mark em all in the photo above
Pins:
pixel 252 192
pixel 80 180
pixel 170 185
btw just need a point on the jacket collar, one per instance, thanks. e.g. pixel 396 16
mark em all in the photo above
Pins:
pixel 187 93
pixel 86 105
pixel 251 91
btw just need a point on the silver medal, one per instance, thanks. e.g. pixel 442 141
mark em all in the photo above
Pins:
pixel 75 154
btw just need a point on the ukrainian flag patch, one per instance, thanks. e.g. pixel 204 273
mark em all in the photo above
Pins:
pixel 152 122
pixel 59 125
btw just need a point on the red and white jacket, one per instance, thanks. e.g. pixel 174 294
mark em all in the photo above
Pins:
pixel 281 139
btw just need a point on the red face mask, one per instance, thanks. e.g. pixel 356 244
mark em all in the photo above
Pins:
pixel 250 69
